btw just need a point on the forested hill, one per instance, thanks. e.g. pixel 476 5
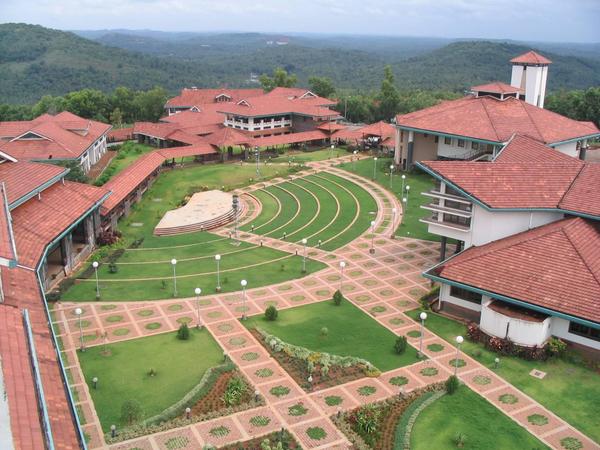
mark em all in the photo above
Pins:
pixel 36 61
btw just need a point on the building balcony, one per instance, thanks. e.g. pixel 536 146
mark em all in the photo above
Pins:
pixel 434 193
pixel 448 224
pixel 443 209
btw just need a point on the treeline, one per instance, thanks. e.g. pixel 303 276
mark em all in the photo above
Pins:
pixel 578 104
pixel 122 106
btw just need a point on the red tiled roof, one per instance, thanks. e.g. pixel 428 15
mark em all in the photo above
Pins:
pixel 191 121
pixel 496 120
pixel 21 178
pixel 530 57
pixel 269 105
pixel 584 193
pixel 18 381
pixel 64 136
pixel 292 138
pixel 39 220
pixel 122 134
pixel 522 148
pixel 512 184
pixel 225 137
pixel 349 133
pixel 300 93
pixel 381 129
pixel 198 97
pixel 191 150
pixel 331 126
pixel 555 266
pixel 497 87
pixel 8 251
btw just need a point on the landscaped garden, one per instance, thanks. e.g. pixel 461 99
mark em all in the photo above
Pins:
pixel 298 156
pixel 338 331
pixel 418 181
pixel 126 155
pixel 570 389
pixel 152 373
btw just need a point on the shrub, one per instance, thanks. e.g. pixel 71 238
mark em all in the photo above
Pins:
pixel 131 411
pixel 108 237
pixel 400 345
pixel 183 332
pixel 452 384
pixel 367 418
pixel 324 331
pixel 271 313
pixel 113 268
pixel 556 347
pixel 460 439
pixel 337 298
pixel 235 390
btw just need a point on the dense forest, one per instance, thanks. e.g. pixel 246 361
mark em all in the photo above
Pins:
pixel 36 61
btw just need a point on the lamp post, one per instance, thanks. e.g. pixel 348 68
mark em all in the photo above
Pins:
pixel 422 316
pixel 243 283
pixel 459 340
pixel 374 167
pixel 342 265
pixel 78 312
pixel 372 249
pixel 394 212
pixel 407 190
pixel 174 264
pixel 235 205
pixel 95 382
pixel 257 154
pixel 403 179
pixel 304 241
pixel 95 266
pixel 198 291
pixel 391 176
pixel 218 260
pixel 355 152
pixel 331 151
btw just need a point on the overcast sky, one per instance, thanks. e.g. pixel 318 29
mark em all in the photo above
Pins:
pixel 545 20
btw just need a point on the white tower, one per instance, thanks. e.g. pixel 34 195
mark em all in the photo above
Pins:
pixel 529 72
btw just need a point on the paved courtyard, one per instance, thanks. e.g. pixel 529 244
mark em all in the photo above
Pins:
pixel 384 285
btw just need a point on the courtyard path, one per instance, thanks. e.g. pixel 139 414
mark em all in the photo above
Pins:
pixel 383 284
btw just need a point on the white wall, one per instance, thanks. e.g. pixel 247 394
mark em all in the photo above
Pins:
pixel 446 297
pixel 568 149
pixel 560 328
pixel 487 226
pixel 453 150
pixel 516 79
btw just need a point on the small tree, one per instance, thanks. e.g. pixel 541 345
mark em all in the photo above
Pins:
pixel 452 384
pixel 183 332
pixel 271 313
pixel 460 439
pixel 337 298
pixel 131 411
pixel 324 331
pixel 400 345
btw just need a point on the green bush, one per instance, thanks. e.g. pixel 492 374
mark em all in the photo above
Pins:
pixel 452 384
pixel 337 298
pixel 556 347
pixel 324 331
pixel 183 332
pixel 235 390
pixel 460 439
pixel 271 313
pixel 400 345
pixel 367 418
pixel 131 411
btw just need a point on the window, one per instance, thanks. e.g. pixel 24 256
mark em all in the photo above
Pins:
pixel 466 295
pixel 475 145
pixel 459 220
pixel 437 139
pixel 448 140
pixel 461 143
pixel 586 332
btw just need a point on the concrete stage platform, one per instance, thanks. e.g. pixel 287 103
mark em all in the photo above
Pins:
pixel 204 211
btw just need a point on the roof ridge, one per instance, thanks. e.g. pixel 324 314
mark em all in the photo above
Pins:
pixel 490 119
pixel 594 276
pixel 562 198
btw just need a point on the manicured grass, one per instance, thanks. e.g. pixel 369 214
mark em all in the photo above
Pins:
pixel 418 182
pixel 123 375
pixel 296 156
pixel 466 412
pixel 570 390
pixel 351 333
pixel 127 154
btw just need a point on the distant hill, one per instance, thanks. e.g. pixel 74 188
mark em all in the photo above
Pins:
pixel 35 61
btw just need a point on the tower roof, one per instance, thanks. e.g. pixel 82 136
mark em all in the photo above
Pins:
pixel 531 57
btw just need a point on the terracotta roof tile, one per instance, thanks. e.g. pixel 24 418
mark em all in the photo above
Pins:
pixel 197 97
pixel 584 193
pixel 497 87
pixel 292 138
pixel 8 250
pixel 269 105
pixel 530 57
pixel 555 266
pixel 522 148
pixel 22 178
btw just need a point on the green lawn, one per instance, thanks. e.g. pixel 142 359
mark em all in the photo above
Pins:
pixel 351 333
pixel 179 366
pixel 418 182
pixel 466 412
pixel 571 391
pixel 296 156
pixel 127 154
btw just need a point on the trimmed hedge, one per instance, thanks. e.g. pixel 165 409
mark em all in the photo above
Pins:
pixel 407 421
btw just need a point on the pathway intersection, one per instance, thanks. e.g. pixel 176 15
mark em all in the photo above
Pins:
pixel 384 285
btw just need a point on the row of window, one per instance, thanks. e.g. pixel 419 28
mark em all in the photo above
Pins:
pixel 451 218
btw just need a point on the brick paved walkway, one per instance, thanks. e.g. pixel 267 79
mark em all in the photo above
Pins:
pixel 384 285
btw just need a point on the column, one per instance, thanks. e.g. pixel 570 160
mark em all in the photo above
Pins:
pixel 89 230
pixel 397 152
pixel 583 150
pixel 444 241
pixel 410 149
pixel 67 251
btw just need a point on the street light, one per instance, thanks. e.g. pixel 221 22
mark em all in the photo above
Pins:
pixel 174 263
pixel 394 212
pixel 198 291
pixel 243 283
pixel 342 265
pixel 257 154
pixel 304 241
pixel 372 249
pixel 459 340
pixel 374 167
pixel 404 204
pixel 331 151
pixel 403 179
pixel 95 266
pixel 391 176
pixel 218 260
pixel 422 316
pixel 355 152
pixel 78 312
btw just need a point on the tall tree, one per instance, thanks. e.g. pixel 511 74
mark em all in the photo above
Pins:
pixel 280 78
pixel 322 86
pixel 150 104
pixel 88 103
pixel 388 96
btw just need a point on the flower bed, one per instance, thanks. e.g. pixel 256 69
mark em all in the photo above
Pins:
pixel 325 369
pixel 287 442
pixel 374 426
pixel 205 400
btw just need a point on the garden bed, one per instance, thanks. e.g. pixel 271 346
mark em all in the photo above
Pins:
pixel 213 402
pixel 298 367
pixel 287 442
pixel 373 426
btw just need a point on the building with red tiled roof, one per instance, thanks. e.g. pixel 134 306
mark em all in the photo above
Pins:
pixel 63 137
pixel 194 98
pixel 478 125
